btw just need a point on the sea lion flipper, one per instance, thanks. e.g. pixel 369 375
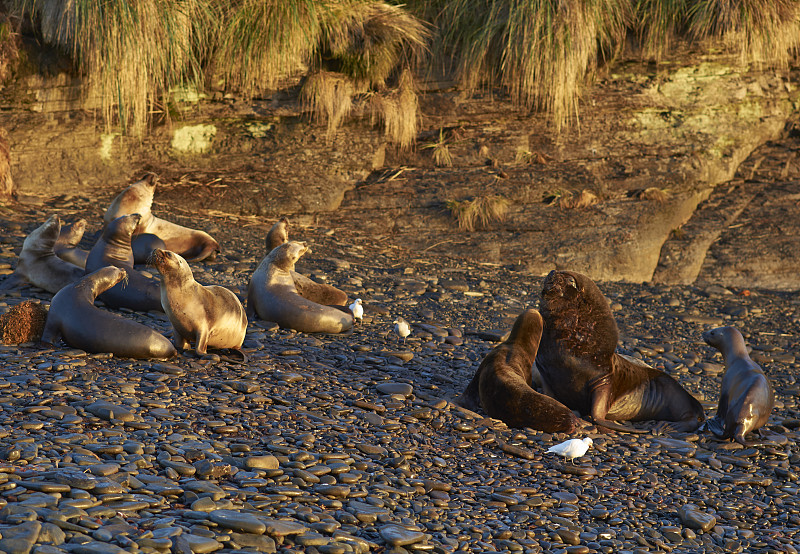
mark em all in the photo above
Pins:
pixel 614 426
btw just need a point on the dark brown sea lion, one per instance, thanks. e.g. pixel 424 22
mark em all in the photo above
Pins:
pixel 502 384
pixel 114 248
pixel 273 295
pixel 66 246
pixel 209 316
pixel 320 293
pixel 74 317
pixel 192 244
pixel 38 263
pixel 143 245
pixel 746 398
pixel 579 365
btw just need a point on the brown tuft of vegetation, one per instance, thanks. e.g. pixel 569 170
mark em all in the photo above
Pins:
pixel 6 182
pixel 398 110
pixel 329 96
pixel 479 211
pixel 568 200
pixel 23 323
pixel 441 151
pixel 651 194
pixel 9 44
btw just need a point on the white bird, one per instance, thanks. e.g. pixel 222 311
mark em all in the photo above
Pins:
pixel 402 328
pixel 573 448
pixel 357 309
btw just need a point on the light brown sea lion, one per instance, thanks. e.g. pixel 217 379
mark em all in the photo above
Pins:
pixel 502 383
pixel 579 365
pixel 114 248
pixel 210 316
pixel 746 398
pixel 273 296
pixel 74 317
pixel 309 289
pixel 38 263
pixel 192 244
pixel 66 246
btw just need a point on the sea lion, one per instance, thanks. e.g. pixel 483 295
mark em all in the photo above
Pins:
pixel 143 245
pixel 66 246
pixel 273 295
pixel 502 383
pixel 74 317
pixel 579 366
pixel 114 248
pixel 209 316
pixel 309 289
pixel 38 263
pixel 192 244
pixel 746 398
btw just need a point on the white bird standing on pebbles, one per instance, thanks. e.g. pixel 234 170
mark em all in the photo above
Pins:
pixel 402 328
pixel 357 309
pixel 573 448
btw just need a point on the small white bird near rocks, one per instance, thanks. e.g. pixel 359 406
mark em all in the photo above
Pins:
pixel 402 328
pixel 357 309
pixel 571 449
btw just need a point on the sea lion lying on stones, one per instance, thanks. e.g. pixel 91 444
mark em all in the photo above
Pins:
pixel 746 398
pixel 114 248
pixel 210 316
pixel 192 244
pixel 502 384
pixel 272 294
pixel 74 317
pixel 579 366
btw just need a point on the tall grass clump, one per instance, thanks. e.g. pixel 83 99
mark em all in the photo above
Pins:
pixel 9 44
pixel 539 50
pixel 658 23
pixel 130 53
pixel 478 211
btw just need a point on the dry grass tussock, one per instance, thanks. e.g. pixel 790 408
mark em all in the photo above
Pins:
pixel 329 96
pixel 6 182
pixel 652 194
pixel 441 150
pixel 398 109
pixel 9 44
pixel 479 211
pixel 569 200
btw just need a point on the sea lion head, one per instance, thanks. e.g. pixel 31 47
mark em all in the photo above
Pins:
pixel 170 264
pixel 44 237
pixel 137 198
pixel 717 337
pixel 286 255
pixel 527 331
pixel 102 279
pixel 278 234
pixel 70 235
pixel 122 227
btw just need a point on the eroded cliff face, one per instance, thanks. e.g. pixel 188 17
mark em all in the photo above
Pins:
pixel 676 130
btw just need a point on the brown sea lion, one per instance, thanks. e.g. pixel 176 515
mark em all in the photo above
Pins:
pixel 192 244
pixel 66 246
pixel 143 245
pixel 210 316
pixel 74 317
pixel 502 384
pixel 114 248
pixel 579 365
pixel 273 296
pixel 746 398
pixel 309 289
pixel 38 263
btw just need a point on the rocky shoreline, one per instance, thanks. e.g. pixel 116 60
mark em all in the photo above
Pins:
pixel 349 443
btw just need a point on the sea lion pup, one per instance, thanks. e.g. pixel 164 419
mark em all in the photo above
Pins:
pixel 192 244
pixel 579 365
pixel 209 316
pixel 38 263
pixel 309 289
pixel 273 296
pixel 66 246
pixel 746 398
pixel 502 383
pixel 143 245
pixel 114 248
pixel 74 317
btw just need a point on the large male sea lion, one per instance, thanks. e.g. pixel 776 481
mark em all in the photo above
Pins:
pixel 309 289
pixel 746 398
pixel 66 246
pixel 579 365
pixel 502 384
pixel 192 244
pixel 74 316
pixel 38 263
pixel 114 248
pixel 273 296
pixel 209 316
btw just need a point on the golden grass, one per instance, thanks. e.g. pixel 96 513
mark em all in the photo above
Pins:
pixel 652 194
pixel 479 211
pixel 6 182
pixel 441 151
pixel 9 44
pixel 398 109
pixel 569 200
pixel 329 96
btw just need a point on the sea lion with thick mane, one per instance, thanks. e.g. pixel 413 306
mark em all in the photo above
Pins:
pixel 309 289
pixel 74 317
pixel 38 263
pixel 209 316
pixel 66 246
pixel 579 366
pixel 746 398
pixel 114 248
pixel 272 294
pixel 192 244
pixel 502 383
